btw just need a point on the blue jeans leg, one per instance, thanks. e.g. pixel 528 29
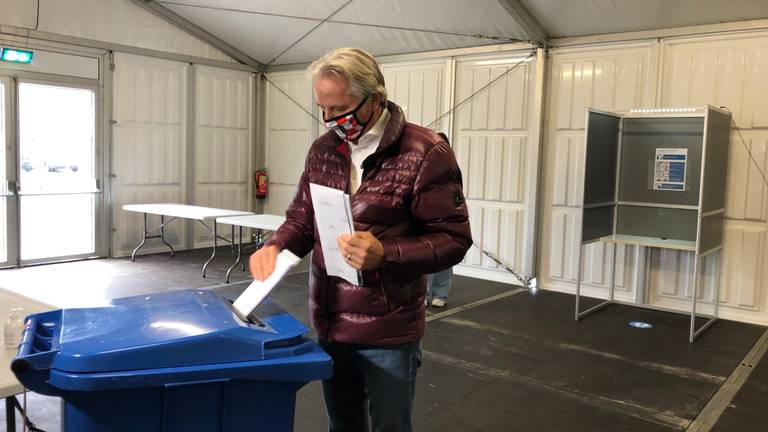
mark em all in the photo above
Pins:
pixel 439 284
pixel 379 382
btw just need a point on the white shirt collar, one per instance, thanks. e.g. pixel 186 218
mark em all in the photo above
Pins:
pixel 373 135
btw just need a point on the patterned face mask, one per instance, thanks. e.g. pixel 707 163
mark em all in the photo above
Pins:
pixel 347 126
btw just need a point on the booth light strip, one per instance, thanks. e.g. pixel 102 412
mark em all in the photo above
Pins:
pixel 661 110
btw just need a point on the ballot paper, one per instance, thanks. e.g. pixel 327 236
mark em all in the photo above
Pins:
pixel 333 214
pixel 257 291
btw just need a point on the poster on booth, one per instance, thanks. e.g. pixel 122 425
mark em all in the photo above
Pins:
pixel 669 169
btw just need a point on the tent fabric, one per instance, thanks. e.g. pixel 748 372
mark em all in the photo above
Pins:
pixel 113 21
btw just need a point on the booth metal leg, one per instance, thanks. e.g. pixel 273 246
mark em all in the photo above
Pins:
pixel 601 305
pixel 578 283
pixel 696 333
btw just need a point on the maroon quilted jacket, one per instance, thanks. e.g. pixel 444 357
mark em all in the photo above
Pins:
pixel 411 199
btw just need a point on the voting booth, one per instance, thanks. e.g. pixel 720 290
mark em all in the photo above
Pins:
pixel 174 361
pixel 655 178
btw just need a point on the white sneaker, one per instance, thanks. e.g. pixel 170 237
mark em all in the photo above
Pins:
pixel 438 302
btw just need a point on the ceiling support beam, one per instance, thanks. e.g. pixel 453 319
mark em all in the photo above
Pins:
pixel 196 31
pixel 532 28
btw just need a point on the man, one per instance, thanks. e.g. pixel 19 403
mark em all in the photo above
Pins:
pixel 410 220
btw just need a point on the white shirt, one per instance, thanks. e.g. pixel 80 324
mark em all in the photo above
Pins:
pixel 366 145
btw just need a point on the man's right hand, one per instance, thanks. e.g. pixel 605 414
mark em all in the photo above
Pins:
pixel 262 262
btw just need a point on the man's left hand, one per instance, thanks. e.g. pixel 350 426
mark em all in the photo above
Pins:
pixel 361 250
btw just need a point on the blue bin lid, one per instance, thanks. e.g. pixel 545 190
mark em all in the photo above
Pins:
pixel 173 329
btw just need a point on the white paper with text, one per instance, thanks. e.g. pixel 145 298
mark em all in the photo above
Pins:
pixel 334 218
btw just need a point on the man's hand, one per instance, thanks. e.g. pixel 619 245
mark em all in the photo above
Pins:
pixel 262 262
pixel 361 250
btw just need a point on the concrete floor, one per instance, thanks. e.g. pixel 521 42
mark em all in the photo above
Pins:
pixel 516 362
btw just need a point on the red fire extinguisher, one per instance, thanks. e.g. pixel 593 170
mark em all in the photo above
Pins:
pixel 261 178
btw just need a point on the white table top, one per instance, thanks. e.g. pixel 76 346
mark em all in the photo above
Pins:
pixel 183 211
pixel 8 384
pixel 651 242
pixel 258 221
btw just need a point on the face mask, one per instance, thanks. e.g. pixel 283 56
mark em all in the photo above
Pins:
pixel 347 126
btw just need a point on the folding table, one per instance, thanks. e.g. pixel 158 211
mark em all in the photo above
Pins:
pixel 261 222
pixel 180 211
pixel 9 385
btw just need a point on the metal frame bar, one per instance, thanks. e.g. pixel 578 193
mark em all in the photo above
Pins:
pixel 693 332
pixel 9 201
pixel 581 314
pixel 197 31
pixel 528 23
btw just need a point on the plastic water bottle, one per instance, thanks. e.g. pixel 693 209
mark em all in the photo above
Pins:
pixel 13 328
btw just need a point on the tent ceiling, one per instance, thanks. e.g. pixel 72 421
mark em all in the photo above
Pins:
pixel 280 32
pixel 265 28
pixel 565 18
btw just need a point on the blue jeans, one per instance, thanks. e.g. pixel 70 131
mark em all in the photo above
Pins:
pixel 439 284
pixel 375 381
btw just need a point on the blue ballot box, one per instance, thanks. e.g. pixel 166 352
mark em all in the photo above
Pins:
pixel 174 361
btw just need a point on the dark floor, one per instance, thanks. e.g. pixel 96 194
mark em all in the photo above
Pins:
pixel 748 408
pixel 517 363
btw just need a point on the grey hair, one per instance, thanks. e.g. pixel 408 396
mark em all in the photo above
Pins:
pixel 357 66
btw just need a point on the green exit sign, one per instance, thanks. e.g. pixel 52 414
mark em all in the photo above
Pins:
pixel 16 55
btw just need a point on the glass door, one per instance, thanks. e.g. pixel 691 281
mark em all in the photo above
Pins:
pixel 7 201
pixel 57 171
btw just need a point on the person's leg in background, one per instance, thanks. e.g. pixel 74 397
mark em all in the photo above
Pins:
pixel 438 287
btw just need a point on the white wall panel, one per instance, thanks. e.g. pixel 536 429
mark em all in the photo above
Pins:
pixel 223 143
pixel 611 78
pixel 289 131
pixel 724 71
pixel 420 89
pixel 148 146
pixel 494 143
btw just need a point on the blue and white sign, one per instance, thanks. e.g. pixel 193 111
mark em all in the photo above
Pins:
pixel 669 170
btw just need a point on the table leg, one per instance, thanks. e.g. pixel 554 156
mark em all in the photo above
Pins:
pixel 239 256
pixel 143 239
pixel 232 243
pixel 10 414
pixel 213 255
pixel 162 234
pixel 239 246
